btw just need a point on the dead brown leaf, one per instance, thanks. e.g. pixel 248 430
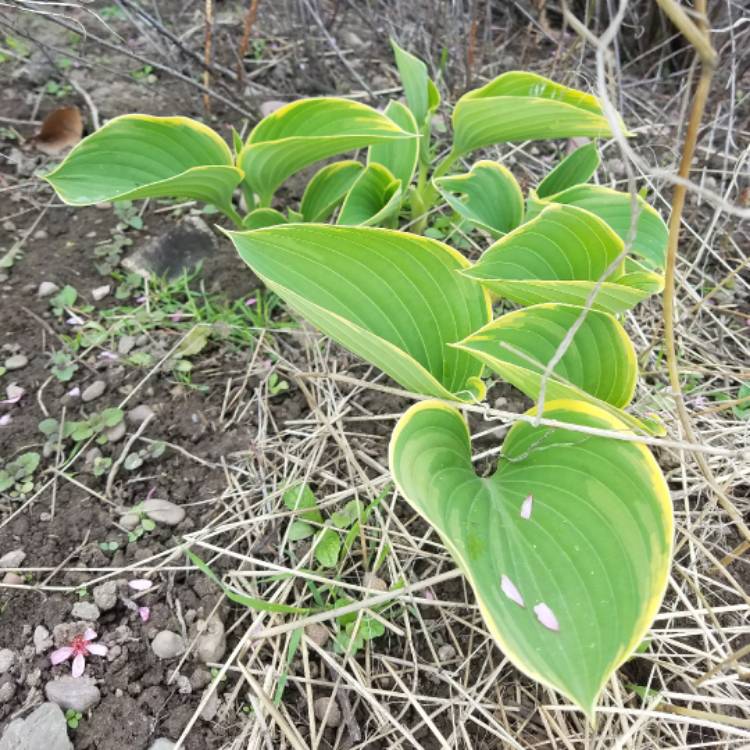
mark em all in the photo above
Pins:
pixel 61 129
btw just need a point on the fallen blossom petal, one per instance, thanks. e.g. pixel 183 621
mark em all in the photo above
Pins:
pixel 61 655
pixel 140 584
pixel 5 420
pixel 250 301
pixel 89 634
pixel 108 355
pixel 144 613
pixel 176 317
pixel 15 394
pixel 510 590
pixel 79 664
pixel 140 300
pixel 546 616
pixel 74 392
pixel 526 507
pixel 97 648
pixel 74 320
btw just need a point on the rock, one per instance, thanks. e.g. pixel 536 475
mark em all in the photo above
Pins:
pixel 129 521
pixel 101 292
pixel 183 684
pixel 12 559
pixel 47 289
pixel 105 595
pixel 371 581
pixel 86 611
pixel 44 728
pixel 162 743
pixel 12 579
pixel 7 691
pixel 89 459
pixel 125 344
pixel 116 433
pixel 320 706
pixel 200 678
pixel 168 645
pixel 317 633
pixel 16 362
pixel 446 652
pixel 211 708
pixel 42 639
pixel 212 644
pixel 78 693
pixel 93 391
pixel 269 107
pixel 163 511
pixel 139 414
pixel 7 660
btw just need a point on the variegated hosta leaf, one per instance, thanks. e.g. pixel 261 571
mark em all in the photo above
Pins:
pixel 306 131
pixel 559 257
pixel 263 217
pixel 615 207
pixel 394 299
pixel 400 157
pixel 567 546
pixel 140 156
pixel 327 189
pixel 519 106
pixel 374 197
pixel 576 168
pixel 492 198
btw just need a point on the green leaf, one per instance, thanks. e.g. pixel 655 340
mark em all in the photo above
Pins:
pixel 421 93
pixel 492 198
pixel 148 524
pixel 374 197
pixel 139 156
pixel 301 498
pixel 306 131
pixel 263 217
pixel 576 168
pixel 327 189
pixel 327 546
pixel 400 157
pixel 112 416
pixel 615 207
pixel 394 299
pixel 300 530
pixel 518 106
pixel 558 257
pixel 590 551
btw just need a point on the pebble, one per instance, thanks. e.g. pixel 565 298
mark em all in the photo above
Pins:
pixel 116 433
pixel 371 581
pixel 93 391
pixel 211 708
pixel 212 644
pixel 320 706
pixel 162 743
pixel 270 106
pixel 90 457
pixel 163 511
pixel 101 292
pixel 7 659
pixel 446 652
pixel 139 414
pixel 129 521
pixel 183 684
pixel 317 633
pixel 47 289
pixel 12 579
pixel 200 678
pixel 168 645
pixel 16 362
pixel 105 595
pixel 12 559
pixel 42 639
pixel 7 691
pixel 125 344
pixel 43 728
pixel 77 693
pixel 86 611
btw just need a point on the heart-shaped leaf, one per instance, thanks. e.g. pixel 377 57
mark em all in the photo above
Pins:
pixel 401 156
pixel 374 197
pixel 567 546
pixel 518 106
pixel 306 131
pixel 576 168
pixel 559 257
pixel 492 197
pixel 394 299
pixel 139 156
pixel 615 207
pixel 327 189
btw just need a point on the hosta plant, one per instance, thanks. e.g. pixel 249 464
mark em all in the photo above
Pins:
pixel 567 545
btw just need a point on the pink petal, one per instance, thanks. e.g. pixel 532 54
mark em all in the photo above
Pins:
pixel 75 320
pixel 526 507
pixel 546 616
pixel 510 590
pixel 74 392
pixel 144 613
pixel 79 664
pixel 140 584
pixel 61 655
pixel 176 317
pixel 250 301
pixel 108 355
pixel 89 634
pixel 97 648
pixel 5 420
pixel 140 300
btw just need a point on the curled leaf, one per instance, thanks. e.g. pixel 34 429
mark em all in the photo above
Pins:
pixel 61 129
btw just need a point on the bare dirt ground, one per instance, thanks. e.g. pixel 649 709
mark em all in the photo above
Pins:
pixel 201 391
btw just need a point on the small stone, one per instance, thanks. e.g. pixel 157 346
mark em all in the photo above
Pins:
pixel 183 685
pixel 200 678
pixel 139 414
pixel 168 645
pixel 47 289
pixel 212 644
pixel 320 706
pixel 86 611
pixel 446 652
pixel 42 639
pixel 93 391
pixel 270 106
pixel 211 708
pixel 163 511
pixel 162 743
pixel 12 579
pixel 101 292
pixel 16 362
pixel 41 234
pixel 116 433
pixel 125 344
pixel 371 581
pixel 7 691
pixel 7 659
pixel 129 521
pixel 90 457
pixel 12 559
pixel 77 693
pixel 44 728
pixel 105 595
pixel 317 633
